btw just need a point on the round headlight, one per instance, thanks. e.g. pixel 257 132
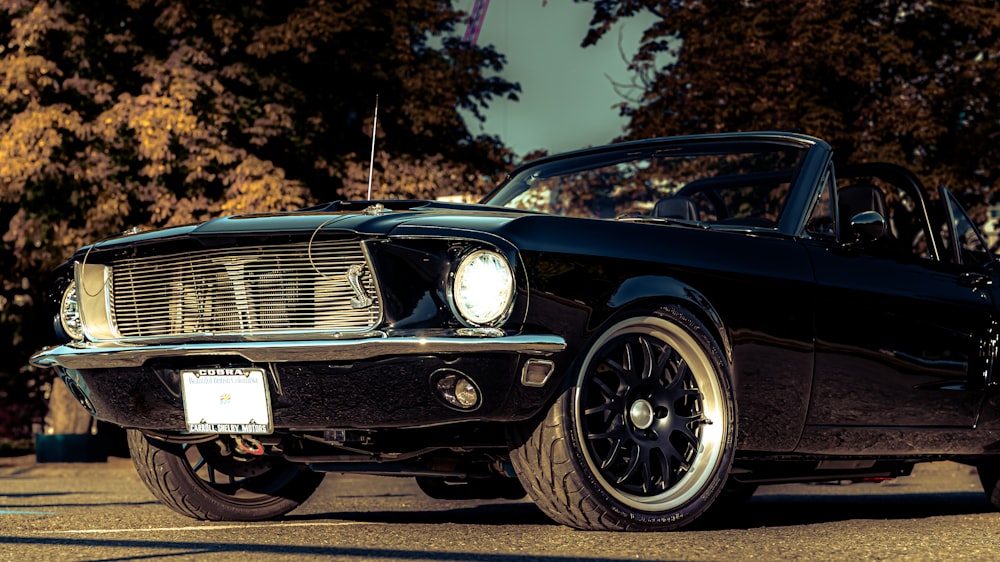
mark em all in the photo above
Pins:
pixel 69 313
pixel 483 287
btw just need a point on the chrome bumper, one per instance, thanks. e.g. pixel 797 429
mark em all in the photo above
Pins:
pixel 111 355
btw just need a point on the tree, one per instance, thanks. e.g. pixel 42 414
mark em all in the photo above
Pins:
pixel 912 82
pixel 161 112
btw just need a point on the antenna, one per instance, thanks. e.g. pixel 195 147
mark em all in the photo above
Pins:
pixel 476 17
pixel 371 163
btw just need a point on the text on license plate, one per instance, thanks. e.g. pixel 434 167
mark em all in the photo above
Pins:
pixel 226 400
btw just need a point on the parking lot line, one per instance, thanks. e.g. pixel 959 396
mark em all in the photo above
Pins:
pixel 211 527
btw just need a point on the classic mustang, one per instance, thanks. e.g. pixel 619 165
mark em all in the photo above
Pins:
pixel 628 334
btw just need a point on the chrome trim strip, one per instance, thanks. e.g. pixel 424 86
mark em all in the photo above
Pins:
pixel 110 355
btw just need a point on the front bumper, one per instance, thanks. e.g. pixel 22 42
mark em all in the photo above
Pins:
pixel 107 355
pixel 375 382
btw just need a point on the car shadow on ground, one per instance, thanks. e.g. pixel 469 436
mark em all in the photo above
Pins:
pixel 783 510
pixel 503 513
pixel 787 510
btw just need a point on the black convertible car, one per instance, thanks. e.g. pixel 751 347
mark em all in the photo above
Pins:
pixel 628 334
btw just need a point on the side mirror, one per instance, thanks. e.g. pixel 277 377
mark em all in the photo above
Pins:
pixel 867 226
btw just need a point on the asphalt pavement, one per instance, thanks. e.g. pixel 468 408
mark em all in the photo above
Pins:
pixel 102 511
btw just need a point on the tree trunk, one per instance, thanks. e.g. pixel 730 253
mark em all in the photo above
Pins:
pixel 66 414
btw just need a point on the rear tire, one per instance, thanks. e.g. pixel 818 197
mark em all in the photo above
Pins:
pixel 209 481
pixel 643 438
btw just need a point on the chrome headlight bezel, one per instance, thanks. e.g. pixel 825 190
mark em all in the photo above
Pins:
pixel 483 288
pixel 70 318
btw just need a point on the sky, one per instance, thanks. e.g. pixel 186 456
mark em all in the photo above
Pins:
pixel 567 98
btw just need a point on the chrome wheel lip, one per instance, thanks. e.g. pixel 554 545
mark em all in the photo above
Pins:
pixel 712 437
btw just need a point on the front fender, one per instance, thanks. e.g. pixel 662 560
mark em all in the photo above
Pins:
pixel 646 288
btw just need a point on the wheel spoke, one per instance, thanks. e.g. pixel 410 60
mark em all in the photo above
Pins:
pixel 647 478
pixel 679 372
pixel 683 432
pixel 647 359
pixel 616 449
pixel 613 431
pixel 664 465
pixel 627 368
pixel 675 399
pixel 664 365
pixel 604 389
pixel 197 464
pixel 610 405
pixel 628 361
pixel 601 436
pixel 633 464
pixel 675 463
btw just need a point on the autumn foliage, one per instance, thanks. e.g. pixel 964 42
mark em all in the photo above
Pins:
pixel 908 81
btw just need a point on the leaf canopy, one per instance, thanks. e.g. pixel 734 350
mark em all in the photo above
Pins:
pixel 912 82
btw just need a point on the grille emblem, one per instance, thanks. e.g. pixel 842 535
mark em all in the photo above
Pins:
pixel 360 298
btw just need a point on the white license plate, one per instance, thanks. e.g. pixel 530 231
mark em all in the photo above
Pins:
pixel 226 400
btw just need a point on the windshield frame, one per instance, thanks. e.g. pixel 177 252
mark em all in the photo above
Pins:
pixel 804 176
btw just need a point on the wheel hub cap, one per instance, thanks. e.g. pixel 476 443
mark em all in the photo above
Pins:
pixel 641 414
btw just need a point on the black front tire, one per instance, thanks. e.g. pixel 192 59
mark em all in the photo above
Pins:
pixel 209 481
pixel 643 438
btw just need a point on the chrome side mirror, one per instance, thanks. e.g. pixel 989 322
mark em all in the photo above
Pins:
pixel 867 226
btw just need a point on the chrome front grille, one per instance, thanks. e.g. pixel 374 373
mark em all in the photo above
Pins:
pixel 248 291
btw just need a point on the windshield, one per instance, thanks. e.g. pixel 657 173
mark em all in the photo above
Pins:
pixel 720 183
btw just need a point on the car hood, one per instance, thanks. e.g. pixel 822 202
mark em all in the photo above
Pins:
pixel 367 218
pixel 527 230
pixel 378 218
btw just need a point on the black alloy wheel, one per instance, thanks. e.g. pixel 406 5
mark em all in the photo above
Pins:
pixel 645 418
pixel 648 429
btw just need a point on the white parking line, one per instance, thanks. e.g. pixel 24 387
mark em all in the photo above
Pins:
pixel 210 527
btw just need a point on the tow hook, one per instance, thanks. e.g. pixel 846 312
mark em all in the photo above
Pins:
pixel 248 445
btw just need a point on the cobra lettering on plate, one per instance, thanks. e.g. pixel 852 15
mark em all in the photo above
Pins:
pixel 226 400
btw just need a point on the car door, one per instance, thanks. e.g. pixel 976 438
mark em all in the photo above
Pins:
pixel 902 335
